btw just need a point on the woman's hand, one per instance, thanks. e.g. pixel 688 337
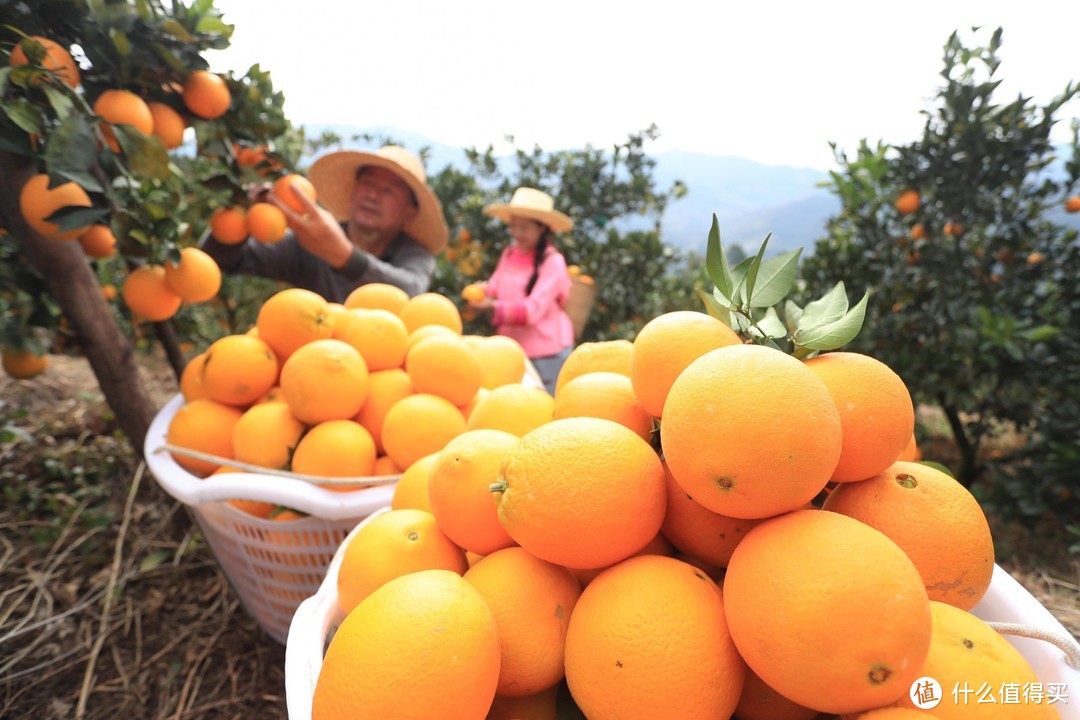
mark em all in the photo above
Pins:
pixel 317 230
pixel 487 303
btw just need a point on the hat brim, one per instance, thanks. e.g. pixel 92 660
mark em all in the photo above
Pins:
pixel 557 221
pixel 334 176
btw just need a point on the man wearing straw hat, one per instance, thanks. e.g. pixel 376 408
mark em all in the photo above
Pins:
pixel 379 222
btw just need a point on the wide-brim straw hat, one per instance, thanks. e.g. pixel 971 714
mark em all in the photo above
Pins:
pixel 533 204
pixel 334 178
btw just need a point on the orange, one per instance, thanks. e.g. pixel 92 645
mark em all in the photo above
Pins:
pixel 445 366
pixel 337 312
pixel 256 508
pixel 23 364
pixel 229 225
pixel 390 545
pixel 377 296
pixel 291 318
pixel 969 656
pixel 503 360
pixel 37 201
pixel 908 202
pixel 659 545
pixel 147 295
pixel 698 531
pixel 666 345
pixel 516 409
pixel 918 232
pixel 582 492
pixel 324 380
pixel 772 429
pixel 266 222
pixel 108 291
pixel 934 519
pixel 385 388
pixel 287 187
pixel 1073 204
pixel 267 436
pixel 169 125
pixel 467 408
pixel 412 489
pixel 876 413
pixel 911 451
pixel 604 356
pixel 419 425
pixel 459 489
pixel 98 241
pixel 248 156
pixel 57 60
pixel 205 426
pixel 604 395
pixel 191 386
pixel 539 706
pixel 335 448
pixel 827 611
pixel 430 309
pixel 426 331
pixel 121 107
pixel 238 370
pixel 532 601
pixel 379 335
pixel 473 292
pixel 648 639
pixel 422 646
pixel 385 466
pixel 197 277
pixel 1036 258
pixel 206 95
pixel 760 702
pixel 953 228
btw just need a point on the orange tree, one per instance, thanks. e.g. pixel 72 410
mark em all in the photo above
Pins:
pixel 617 208
pixel 975 301
pixel 95 98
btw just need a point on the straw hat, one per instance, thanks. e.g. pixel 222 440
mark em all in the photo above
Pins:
pixel 533 204
pixel 334 177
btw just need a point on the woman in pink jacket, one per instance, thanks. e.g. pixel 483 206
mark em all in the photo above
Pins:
pixel 530 284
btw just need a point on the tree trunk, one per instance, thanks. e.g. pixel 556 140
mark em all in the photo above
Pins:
pixel 73 285
pixel 968 451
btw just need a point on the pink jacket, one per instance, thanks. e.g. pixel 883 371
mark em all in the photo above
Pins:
pixel 538 321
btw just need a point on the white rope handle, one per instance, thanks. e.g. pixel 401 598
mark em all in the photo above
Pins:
pixel 311 479
pixel 1064 642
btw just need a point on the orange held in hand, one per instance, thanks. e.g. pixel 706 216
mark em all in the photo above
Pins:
pixel 287 187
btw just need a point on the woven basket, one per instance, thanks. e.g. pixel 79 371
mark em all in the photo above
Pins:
pixel 579 304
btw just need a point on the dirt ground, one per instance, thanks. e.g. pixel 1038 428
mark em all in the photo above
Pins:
pixel 111 606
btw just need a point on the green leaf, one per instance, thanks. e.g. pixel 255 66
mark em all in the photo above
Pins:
pixel 5 73
pixel 73 217
pixel 120 40
pixel 835 334
pixel 771 325
pixel 25 114
pixel 752 271
pixel 70 152
pixel 775 278
pixel 793 314
pixel 827 308
pixel 1042 333
pixel 178 31
pixel 738 277
pixel 145 154
pixel 210 24
pixel 61 102
pixel 714 308
pixel 716 261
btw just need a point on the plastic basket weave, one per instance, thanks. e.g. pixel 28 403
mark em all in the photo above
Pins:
pixel 273 566
pixel 1006 601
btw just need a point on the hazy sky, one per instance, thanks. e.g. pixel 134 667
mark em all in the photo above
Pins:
pixel 770 81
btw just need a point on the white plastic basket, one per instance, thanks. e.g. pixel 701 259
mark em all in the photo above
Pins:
pixel 273 566
pixel 1006 601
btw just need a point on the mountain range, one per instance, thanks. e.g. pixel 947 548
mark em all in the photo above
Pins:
pixel 750 199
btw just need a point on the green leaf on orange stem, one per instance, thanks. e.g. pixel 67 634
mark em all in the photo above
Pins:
pixel 775 278
pixel 716 261
pixel 752 271
pixel 835 334
pixel 714 307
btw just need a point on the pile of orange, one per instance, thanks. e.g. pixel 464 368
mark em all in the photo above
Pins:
pixel 361 389
pixel 703 529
